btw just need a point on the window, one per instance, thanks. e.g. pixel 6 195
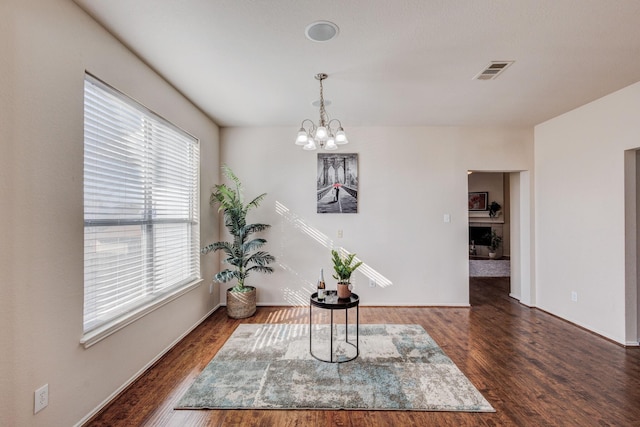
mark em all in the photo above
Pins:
pixel 141 232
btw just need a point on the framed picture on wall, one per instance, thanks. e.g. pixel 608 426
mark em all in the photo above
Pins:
pixel 478 201
pixel 337 183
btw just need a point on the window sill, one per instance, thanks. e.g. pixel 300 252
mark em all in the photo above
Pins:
pixel 100 333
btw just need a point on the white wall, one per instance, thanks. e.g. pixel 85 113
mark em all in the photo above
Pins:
pixel 45 48
pixel 580 211
pixel 409 178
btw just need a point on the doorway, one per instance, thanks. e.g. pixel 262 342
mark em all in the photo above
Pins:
pixel 515 221
pixel 489 236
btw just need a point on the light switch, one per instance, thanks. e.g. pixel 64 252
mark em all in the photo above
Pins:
pixel 447 218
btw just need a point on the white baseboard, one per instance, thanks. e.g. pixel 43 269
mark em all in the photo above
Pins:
pixel 137 375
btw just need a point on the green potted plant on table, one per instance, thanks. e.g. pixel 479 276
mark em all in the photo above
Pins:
pixel 495 243
pixel 344 268
pixel 243 252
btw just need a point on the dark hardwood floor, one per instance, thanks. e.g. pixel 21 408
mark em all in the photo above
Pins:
pixel 535 369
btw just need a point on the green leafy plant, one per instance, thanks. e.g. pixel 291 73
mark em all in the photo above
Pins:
pixel 242 253
pixel 496 241
pixel 342 266
pixel 494 207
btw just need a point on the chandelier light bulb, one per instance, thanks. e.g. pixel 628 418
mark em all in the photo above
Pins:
pixel 310 146
pixel 302 137
pixel 331 144
pixel 321 133
pixel 341 137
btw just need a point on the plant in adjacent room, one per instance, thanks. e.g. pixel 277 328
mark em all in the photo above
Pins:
pixel 494 207
pixel 496 241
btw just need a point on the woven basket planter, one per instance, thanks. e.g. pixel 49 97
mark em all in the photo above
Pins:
pixel 241 304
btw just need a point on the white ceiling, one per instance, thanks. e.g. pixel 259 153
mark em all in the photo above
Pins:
pixel 394 63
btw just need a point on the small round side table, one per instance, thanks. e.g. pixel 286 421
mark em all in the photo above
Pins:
pixel 332 302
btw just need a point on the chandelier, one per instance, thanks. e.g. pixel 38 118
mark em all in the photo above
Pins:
pixel 323 133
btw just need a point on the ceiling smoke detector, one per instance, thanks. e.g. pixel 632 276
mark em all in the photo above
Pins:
pixel 321 31
pixel 493 70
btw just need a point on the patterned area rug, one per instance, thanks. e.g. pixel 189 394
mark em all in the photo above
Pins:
pixel 489 268
pixel 268 366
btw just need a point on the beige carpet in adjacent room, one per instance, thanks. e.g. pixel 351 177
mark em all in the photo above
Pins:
pixel 489 268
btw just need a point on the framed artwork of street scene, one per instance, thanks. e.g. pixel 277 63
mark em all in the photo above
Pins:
pixel 337 183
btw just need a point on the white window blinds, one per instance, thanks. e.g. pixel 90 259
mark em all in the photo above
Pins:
pixel 141 206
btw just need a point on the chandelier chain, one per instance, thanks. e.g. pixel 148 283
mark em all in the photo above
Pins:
pixel 323 112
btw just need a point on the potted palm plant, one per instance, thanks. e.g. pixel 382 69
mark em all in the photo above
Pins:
pixel 344 268
pixel 242 253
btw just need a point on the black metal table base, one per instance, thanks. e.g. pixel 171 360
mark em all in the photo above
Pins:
pixel 332 302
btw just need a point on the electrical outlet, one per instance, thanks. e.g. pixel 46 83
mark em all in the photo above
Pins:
pixel 41 398
pixel 210 288
pixel 574 296
pixel 372 283
pixel 340 234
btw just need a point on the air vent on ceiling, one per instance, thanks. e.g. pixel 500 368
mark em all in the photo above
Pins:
pixel 493 70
